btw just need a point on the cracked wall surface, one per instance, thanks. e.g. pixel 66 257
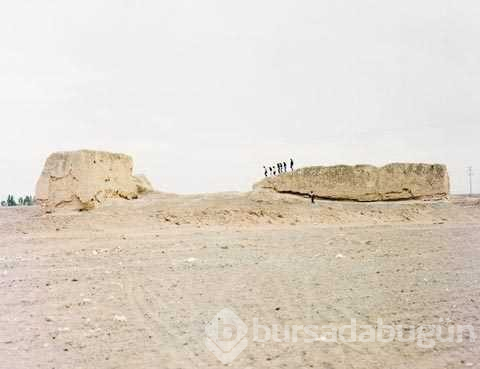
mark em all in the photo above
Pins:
pixel 84 179
pixel 397 181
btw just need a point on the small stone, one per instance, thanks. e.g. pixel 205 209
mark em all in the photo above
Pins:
pixel 120 318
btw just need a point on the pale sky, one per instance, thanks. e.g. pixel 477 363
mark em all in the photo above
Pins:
pixel 203 93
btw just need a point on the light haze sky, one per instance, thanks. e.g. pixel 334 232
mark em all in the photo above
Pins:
pixel 203 93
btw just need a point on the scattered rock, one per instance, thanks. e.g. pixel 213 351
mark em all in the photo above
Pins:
pixel 120 318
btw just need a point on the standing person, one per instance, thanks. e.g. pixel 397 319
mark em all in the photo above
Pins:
pixel 285 167
pixel 271 170
pixel 312 197
pixel 266 171
pixel 279 166
pixel 274 171
pixel 291 165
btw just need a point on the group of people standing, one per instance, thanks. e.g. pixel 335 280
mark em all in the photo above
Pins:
pixel 278 168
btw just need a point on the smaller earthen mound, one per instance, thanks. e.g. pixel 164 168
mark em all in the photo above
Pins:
pixel 143 184
pixel 84 179
pixel 398 181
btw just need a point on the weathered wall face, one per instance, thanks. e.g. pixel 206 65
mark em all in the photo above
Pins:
pixel 84 179
pixel 398 181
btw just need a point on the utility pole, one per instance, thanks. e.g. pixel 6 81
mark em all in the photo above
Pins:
pixel 470 175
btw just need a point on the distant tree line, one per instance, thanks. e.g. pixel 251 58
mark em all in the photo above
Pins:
pixel 21 201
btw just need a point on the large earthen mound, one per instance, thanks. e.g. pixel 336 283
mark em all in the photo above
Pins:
pixel 398 181
pixel 84 179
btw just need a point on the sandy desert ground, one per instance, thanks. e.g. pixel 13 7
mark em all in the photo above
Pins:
pixel 133 284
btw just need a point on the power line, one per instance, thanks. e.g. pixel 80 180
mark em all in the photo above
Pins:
pixel 470 175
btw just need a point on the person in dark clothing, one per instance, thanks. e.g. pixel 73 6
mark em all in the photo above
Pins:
pixel 285 167
pixel 291 165
pixel 274 171
pixel 266 171
pixel 312 197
